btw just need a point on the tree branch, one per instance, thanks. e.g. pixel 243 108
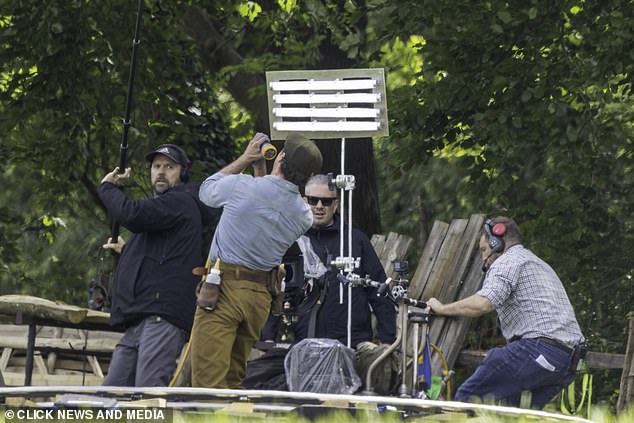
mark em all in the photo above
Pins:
pixel 216 53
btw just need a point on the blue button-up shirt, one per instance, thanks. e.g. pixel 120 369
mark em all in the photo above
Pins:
pixel 261 218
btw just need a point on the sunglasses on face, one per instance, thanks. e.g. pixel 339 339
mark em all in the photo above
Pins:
pixel 325 201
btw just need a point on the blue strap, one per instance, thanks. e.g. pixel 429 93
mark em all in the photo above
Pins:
pixel 424 367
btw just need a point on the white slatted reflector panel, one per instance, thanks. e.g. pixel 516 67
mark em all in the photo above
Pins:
pixel 341 103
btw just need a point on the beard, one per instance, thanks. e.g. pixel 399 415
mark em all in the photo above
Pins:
pixel 160 186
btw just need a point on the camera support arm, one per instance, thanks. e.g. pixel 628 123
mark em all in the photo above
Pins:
pixel 410 310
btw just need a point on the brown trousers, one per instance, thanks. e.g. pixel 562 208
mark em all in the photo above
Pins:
pixel 222 339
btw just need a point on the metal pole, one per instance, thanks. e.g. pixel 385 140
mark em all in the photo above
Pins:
pixel 30 351
pixel 341 247
pixel 350 255
pixel 415 362
pixel 403 314
pixel 123 150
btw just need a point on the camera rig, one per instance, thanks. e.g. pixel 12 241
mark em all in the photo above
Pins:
pixel 410 312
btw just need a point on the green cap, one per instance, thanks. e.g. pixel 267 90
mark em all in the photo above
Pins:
pixel 302 156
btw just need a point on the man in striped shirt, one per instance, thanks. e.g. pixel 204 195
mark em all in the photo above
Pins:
pixel 545 342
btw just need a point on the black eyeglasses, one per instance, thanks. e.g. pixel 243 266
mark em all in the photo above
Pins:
pixel 325 201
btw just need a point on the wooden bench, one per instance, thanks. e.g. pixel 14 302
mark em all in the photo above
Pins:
pixel 64 344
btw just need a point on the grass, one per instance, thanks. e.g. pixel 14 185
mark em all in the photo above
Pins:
pixel 599 415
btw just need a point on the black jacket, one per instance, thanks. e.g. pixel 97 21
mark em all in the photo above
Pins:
pixel 154 274
pixel 332 316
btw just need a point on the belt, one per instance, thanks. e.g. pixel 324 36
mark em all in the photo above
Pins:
pixel 549 341
pixel 555 343
pixel 237 272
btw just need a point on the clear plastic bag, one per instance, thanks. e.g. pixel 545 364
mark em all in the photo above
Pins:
pixel 321 365
pixel 313 267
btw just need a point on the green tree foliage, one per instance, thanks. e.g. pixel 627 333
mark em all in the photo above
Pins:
pixel 533 100
pixel 63 79
pixel 63 84
pixel 522 108
pixel 242 40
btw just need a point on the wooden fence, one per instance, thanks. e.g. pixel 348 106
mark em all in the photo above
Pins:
pixel 449 268
pixel 626 391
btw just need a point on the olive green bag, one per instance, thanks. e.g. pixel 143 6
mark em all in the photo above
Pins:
pixel 385 375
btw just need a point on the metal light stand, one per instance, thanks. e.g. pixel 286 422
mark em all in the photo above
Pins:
pixel 324 104
pixel 412 311
pixel 345 263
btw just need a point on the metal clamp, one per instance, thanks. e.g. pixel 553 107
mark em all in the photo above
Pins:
pixel 347 264
pixel 345 182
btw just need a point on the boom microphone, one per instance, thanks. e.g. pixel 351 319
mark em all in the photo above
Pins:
pixel 485 263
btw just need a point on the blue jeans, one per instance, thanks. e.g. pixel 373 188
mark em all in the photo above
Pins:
pixel 523 365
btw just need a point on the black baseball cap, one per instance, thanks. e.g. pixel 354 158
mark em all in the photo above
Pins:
pixel 172 151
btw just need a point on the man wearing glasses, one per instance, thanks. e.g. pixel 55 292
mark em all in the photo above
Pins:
pixel 329 320
pixel 323 309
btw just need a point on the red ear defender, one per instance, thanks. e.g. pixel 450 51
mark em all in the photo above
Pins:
pixel 499 229
pixel 495 235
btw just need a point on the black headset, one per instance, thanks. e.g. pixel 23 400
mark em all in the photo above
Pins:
pixel 183 160
pixel 495 235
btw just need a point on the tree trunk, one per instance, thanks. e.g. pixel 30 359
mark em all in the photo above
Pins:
pixel 360 163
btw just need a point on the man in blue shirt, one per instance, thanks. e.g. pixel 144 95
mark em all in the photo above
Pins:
pixel 262 216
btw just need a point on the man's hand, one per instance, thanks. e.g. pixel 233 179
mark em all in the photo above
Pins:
pixel 115 246
pixel 435 306
pixel 116 178
pixel 252 156
pixel 253 152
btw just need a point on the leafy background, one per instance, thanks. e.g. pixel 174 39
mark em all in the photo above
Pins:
pixel 521 108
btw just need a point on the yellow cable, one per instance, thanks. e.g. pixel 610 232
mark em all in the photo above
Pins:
pixel 445 368
pixel 568 405
pixel 185 353
pixel 184 359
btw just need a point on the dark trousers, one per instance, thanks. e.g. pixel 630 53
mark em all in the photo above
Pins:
pixel 525 365
pixel 146 354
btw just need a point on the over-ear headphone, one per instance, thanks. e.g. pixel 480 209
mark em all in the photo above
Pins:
pixel 495 235
pixel 175 153
pixel 184 162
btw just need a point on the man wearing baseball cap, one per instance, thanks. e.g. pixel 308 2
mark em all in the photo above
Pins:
pixel 154 289
pixel 262 217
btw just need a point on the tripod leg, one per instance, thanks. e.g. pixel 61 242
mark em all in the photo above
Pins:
pixel 425 347
pixel 403 314
pixel 415 361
